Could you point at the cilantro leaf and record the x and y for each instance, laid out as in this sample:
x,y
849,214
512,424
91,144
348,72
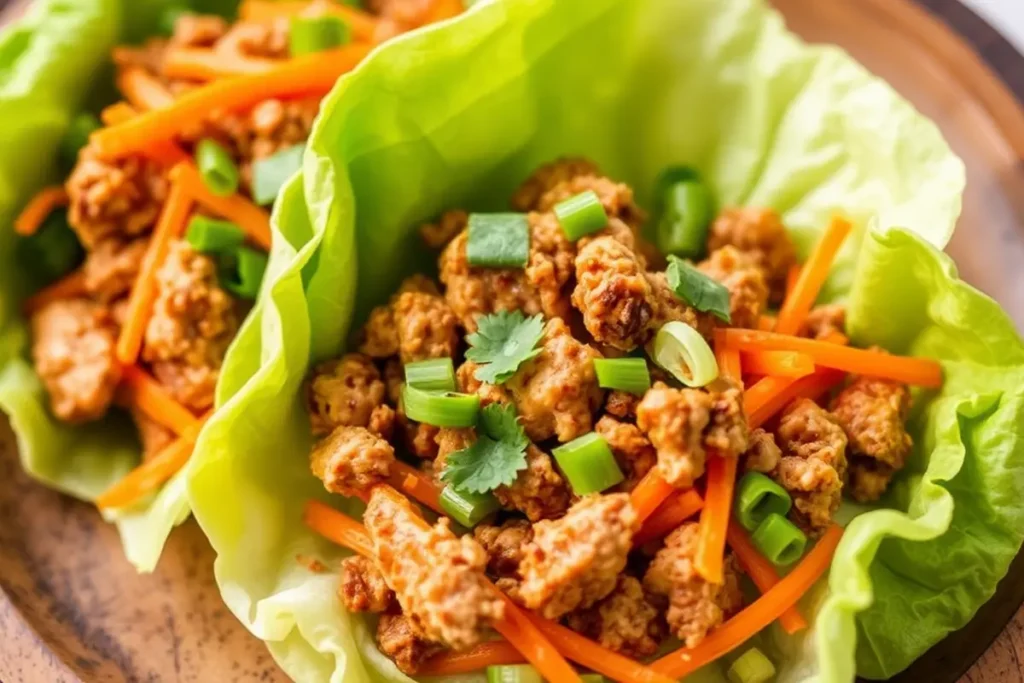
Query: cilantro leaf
x,y
503,341
495,458
697,289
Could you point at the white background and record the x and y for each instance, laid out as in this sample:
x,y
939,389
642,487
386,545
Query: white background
x,y
1005,15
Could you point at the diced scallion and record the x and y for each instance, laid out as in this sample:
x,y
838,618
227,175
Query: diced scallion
x,y
513,673
680,350
316,34
77,136
779,540
53,250
587,462
436,374
751,667
466,508
581,215
697,289
242,271
683,209
212,236
624,374
440,408
269,175
757,497
498,240
218,170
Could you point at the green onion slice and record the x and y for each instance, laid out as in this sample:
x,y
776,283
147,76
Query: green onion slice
x,y
440,408
581,215
316,34
624,374
587,462
684,218
212,236
697,289
269,175
513,673
217,168
53,251
468,509
779,540
245,272
757,497
498,240
76,137
751,667
680,350
436,374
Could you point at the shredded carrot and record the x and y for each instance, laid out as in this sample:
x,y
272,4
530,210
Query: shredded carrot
x,y
792,276
679,507
118,112
452,663
835,337
443,9
253,220
309,74
337,527
778,363
917,371
528,636
729,364
200,64
755,617
68,287
167,153
812,276
766,323
762,573
417,485
649,494
771,394
714,518
141,390
140,302
142,90
265,10
39,208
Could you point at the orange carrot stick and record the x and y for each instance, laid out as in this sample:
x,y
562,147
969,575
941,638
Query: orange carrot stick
x,y
812,276
139,389
140,302
118,112
201,64
265,10
778,363
714,518
142,90
528,636
755,617
39,208
308,74
417,485
649,494
917,371
792,277
166,152
729,364
253,220
766,323
451,663
763,574
69,287
836,337
679,507
444,9
337,527
771,394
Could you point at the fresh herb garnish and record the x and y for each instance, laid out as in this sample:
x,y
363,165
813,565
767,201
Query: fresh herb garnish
x,y
697,289
495,458
498,240
503,341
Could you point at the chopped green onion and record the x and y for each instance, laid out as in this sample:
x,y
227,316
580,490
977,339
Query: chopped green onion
x,y
212,236
684,207
437,374
466,508
498,240
169,17
624,374
757,497
217,168
587,462
76,137
513,673
53,250
680,350
581,215
269,175
779,540
440,408
245,273
316,34
697,289
751,667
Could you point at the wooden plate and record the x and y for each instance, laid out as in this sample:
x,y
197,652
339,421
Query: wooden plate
x,y
71,609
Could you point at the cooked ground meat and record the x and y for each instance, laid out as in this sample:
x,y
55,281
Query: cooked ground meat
x,y
873,412
198,30
257,38
114,199
825,320
727,433
111,268
632,450
616,198
551,266
394,378
153,436
667,307
417,324
379,337
193,322
451,223
556,392
813,462
760,233
625,621
527,197
73,344
399,640
575,561
350,460
621,404
504,545
674,420
438,578
382,421
420,439
465,378
362,587
539,491
763,454
744,278
449,440
344,392
695,606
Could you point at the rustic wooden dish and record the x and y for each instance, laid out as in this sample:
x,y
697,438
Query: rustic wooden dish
x,y
71,608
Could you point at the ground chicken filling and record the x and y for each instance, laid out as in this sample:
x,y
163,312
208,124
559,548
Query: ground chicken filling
x,y
564,554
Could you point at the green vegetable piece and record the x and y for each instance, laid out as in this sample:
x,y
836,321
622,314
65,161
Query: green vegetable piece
x,y
76,137
468,509
587,462
513,673
498,240
316,34
269,175
751,667
624,374
212,236
436,374
53,250
697,289
680,350
593,678
684,209
440,408
170,15
757,497
779,540
581,215
495,458
503,341
217,168
244,274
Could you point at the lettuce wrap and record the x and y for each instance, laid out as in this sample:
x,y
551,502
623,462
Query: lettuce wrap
x,y
458,115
